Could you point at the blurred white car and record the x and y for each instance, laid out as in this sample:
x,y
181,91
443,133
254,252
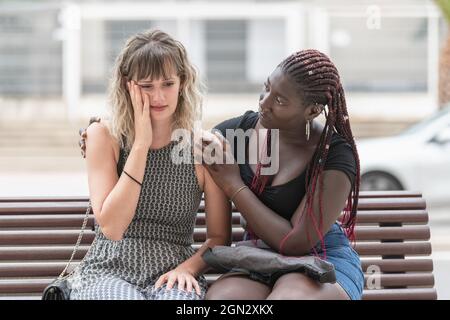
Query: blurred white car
x,y
417,159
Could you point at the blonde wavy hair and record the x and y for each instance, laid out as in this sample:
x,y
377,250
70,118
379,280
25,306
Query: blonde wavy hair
x,y
152,54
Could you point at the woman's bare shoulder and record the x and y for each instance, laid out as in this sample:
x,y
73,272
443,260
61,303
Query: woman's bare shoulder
x,y
100,132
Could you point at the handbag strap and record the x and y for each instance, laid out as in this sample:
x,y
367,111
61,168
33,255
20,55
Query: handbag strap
x,y
80,236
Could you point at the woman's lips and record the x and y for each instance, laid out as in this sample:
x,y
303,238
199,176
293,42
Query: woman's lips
x,y
262,114
158,108
264,118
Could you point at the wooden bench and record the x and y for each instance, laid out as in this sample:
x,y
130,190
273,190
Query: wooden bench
x,y
37,236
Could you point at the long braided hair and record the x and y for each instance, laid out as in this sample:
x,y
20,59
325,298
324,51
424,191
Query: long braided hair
x,y
318,82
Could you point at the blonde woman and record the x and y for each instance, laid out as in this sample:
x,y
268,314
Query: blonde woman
x,y
145,204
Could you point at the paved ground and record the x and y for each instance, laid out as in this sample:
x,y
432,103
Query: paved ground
x,y
75,183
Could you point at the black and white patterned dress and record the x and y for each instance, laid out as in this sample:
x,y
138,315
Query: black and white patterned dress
x,y
158,239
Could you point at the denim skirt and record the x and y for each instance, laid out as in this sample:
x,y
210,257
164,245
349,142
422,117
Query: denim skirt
x,y
345,259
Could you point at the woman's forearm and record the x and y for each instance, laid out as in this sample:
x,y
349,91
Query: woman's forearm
x,y
264,222
195,264
119,207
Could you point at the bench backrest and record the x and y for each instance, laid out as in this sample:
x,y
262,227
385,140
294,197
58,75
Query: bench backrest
x,y
37,236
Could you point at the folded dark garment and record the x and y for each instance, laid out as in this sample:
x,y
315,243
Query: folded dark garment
x,y
266,262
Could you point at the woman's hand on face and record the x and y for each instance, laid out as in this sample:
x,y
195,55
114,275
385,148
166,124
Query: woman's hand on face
x,y
142,122
221,165
184,278
83,134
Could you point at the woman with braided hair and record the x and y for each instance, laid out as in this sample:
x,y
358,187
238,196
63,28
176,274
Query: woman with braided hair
x,y
295,211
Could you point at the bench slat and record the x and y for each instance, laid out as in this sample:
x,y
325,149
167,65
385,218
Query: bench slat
x,y
29,296
407,280
390,194
70,236
53,269
34,269
70,219
362,194
19,269
410,203
392,233
42,207
405,203
401,294
24,285
64,252
49,199
45,220
383,216
384,294
45,237
386,280
361,233
362,217
398,265
41,252
391,204
20,285
401,248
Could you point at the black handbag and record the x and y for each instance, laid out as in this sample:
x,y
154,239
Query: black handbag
x,y
59,289
260,262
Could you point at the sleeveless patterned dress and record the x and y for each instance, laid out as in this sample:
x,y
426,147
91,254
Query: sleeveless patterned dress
x,y
158,239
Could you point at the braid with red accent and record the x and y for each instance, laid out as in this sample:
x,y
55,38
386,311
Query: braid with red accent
x,y
318,82
259,182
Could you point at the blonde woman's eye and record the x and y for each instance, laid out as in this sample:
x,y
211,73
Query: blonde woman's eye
x,y
169,84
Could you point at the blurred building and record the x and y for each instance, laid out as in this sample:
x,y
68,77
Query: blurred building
x,y
53,48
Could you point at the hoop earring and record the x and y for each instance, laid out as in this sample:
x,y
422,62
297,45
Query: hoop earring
x,y
308,129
